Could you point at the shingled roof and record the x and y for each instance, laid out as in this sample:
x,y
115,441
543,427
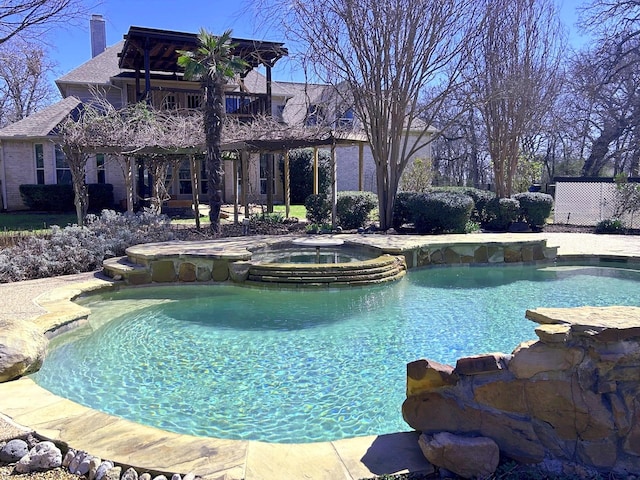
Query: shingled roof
x,y
42,123
98,70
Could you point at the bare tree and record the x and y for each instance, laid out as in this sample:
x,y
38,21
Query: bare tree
x,y
24,87
513,77
381,55
29,18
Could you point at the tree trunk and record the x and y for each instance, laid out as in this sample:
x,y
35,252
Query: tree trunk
x,y
597,158
213,116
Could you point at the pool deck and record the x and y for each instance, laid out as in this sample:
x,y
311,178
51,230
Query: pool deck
x,y
45,301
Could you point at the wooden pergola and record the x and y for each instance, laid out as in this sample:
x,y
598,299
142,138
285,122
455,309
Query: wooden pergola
x,y
326,138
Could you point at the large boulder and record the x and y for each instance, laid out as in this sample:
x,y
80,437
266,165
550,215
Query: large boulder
x,y
468,457
22,348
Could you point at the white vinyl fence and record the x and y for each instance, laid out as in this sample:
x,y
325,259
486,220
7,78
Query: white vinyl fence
x,y
581,201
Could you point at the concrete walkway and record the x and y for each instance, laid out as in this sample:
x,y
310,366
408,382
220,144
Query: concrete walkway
x,y
46,302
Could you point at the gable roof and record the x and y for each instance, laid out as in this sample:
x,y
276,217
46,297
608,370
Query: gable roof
x,y
98,70
42,123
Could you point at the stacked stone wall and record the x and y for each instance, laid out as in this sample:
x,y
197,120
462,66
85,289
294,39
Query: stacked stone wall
x,y
573,395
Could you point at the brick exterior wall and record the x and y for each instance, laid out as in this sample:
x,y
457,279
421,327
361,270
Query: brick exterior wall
x,y
19,167
18,162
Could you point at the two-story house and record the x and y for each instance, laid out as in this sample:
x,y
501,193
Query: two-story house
x,y
143,67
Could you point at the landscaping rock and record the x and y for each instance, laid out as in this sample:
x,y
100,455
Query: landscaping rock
x,y
94,464
475,457
145,476
102,470
68,457
13,451
113,473
22,348
130,474
44,456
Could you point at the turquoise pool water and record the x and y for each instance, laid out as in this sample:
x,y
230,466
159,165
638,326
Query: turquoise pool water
x,y
301,366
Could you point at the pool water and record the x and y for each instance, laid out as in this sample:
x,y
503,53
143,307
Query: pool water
x,y
301,366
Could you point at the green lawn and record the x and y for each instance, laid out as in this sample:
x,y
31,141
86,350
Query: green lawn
x,y
14,221
298,211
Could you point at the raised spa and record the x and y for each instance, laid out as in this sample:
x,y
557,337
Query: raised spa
x,y
301,365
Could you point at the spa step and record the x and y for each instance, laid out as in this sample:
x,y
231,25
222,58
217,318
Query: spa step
x,y
381,269
120,268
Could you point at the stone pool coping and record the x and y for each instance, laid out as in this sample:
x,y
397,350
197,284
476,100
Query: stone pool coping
x,y
47,303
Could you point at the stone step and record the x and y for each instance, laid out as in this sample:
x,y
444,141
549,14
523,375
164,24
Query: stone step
x,y
121,266
308,273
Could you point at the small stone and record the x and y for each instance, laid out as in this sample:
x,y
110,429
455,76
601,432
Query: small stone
x,y
145,476
68,457
75,462
13,451
189,476
176,476
159,477
94,463
84,465
113,473
130,474
102,470
44,456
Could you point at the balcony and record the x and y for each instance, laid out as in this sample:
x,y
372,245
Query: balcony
x,y
246,106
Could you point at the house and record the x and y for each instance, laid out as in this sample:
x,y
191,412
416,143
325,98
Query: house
x,y
143,66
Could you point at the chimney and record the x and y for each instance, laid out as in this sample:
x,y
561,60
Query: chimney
x,y
98,35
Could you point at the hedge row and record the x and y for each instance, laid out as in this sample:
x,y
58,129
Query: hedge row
x,y
59,198
450,209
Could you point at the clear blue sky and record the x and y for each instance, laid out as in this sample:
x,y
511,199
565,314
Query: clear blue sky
x,y
71,47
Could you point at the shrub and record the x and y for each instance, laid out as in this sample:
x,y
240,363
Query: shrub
x,y
48,198
318,208
402,209
119,231
76,249
480,200
59,198
500,213
269,218
301,173
611,225
100,196
535,208
353,208
441,212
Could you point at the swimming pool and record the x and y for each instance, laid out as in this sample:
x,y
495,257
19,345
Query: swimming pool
x,y
301,366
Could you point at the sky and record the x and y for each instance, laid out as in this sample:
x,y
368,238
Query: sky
x,y
70,47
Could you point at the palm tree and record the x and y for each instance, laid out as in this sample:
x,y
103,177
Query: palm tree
x,y
213,63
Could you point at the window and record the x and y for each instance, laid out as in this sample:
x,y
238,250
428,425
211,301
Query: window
x,y
265,159
194,100
315,115
238,104
101,171
169,102
63,173
346,121
280,113
184,178
39,150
